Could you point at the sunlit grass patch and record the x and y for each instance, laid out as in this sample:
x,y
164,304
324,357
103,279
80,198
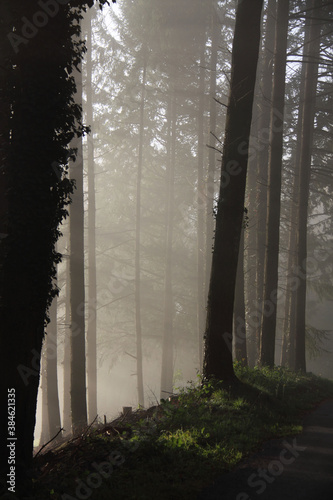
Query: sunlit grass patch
x,y
180,446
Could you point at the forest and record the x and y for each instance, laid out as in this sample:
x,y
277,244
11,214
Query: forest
x,y
166,228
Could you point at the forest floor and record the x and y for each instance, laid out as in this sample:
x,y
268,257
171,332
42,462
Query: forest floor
x,y
209,439
299,467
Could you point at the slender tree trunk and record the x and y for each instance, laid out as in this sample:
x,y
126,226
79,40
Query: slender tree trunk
x,y
52,372
45,434
201,207
250,257
210,188
77,290
311,76
263,151
139,355
92,289
167,347
218,338
240,340
67,425
267,345
288,339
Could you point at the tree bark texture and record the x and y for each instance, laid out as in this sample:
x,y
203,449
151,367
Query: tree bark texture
x,y
77,288
311,76
168,342
269,305
218,336
92,280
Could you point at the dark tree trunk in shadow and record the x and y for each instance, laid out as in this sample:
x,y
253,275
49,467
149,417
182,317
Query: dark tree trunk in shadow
x,y
52,372
240,340
218,337
77,288
265,107
269,305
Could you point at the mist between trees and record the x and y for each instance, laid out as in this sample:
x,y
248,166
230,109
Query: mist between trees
x,y
151,183
194,147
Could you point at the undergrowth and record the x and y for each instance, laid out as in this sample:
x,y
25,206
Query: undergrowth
x,y
178,447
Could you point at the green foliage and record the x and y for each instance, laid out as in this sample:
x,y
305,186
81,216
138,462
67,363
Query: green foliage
x,y
42,118
205,430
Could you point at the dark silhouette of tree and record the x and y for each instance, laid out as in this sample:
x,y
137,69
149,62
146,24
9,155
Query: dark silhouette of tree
x,y
264,112
269,306
240,339
218,337
38,120
53,408
77,288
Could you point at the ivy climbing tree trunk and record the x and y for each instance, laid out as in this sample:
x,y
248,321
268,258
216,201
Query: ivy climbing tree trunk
x,y
38,120
218,338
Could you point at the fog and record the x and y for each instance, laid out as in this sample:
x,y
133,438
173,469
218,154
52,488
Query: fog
x,y
154,92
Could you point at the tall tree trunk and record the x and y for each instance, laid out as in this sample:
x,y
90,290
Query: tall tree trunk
x,y
250,257
52,371
240,340
138,326
45,434
38,116
311,76
92,286
167,347
201,207
27,230
77,290
267,345
218,338
210,183
67,425
288,331
263,151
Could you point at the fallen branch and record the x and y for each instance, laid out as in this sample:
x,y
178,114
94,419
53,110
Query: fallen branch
x,y
44,445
